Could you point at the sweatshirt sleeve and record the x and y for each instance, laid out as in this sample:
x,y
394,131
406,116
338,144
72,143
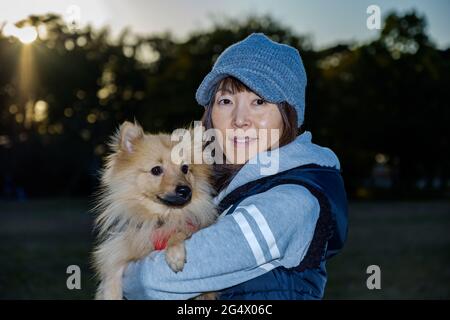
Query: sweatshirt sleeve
x,y
267,230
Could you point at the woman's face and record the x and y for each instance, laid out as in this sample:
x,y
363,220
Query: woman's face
x,y
241,119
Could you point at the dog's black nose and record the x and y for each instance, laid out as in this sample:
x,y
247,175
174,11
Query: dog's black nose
x,y
183,192
179,198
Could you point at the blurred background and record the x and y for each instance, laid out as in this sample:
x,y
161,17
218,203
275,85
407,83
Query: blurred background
x,y
72,71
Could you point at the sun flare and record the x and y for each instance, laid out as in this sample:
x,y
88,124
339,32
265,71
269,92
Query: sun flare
x,y
26,34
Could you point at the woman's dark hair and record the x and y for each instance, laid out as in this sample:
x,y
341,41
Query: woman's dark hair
x,y
224,173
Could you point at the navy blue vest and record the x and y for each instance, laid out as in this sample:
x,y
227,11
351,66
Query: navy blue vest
x,y
308,279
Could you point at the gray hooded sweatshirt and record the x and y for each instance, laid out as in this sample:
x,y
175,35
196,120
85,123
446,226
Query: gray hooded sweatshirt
x,y
266,230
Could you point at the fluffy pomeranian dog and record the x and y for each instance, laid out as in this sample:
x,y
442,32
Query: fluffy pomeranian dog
x,y
146,203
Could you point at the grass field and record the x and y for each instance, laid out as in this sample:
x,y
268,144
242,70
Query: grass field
x,y
410,241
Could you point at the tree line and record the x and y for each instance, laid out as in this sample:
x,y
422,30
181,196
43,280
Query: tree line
x,y
382,106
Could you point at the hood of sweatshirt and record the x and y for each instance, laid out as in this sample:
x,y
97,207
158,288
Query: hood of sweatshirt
x,y
301,151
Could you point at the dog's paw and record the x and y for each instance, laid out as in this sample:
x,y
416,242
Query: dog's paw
x,y
176,256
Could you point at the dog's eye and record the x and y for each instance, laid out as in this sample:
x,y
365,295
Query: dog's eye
x,y
156,171
184,168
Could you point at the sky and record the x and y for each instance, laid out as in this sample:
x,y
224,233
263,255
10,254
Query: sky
x,y
326,22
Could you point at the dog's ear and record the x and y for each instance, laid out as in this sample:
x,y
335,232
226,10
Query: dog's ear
x,y
129,134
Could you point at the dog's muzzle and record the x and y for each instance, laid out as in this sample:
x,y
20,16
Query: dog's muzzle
x,y
180,197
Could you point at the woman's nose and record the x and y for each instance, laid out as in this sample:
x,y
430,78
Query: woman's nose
x,y
241,117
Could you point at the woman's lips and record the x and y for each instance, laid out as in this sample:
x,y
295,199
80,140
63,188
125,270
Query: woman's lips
x,y
242,141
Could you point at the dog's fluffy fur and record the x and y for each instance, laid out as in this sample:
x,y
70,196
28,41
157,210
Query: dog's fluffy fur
x,y
134,205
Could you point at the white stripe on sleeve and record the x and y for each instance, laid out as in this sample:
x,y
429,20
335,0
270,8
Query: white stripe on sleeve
x,y
267,266
265,229
250,237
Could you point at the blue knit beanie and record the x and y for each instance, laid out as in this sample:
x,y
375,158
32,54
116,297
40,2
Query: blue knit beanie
x,y
272,70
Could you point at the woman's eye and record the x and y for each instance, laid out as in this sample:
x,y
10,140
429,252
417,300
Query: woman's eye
x,y
224,101
185,168
260,102
156,171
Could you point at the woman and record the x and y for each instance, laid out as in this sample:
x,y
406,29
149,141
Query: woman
x,y
276,229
